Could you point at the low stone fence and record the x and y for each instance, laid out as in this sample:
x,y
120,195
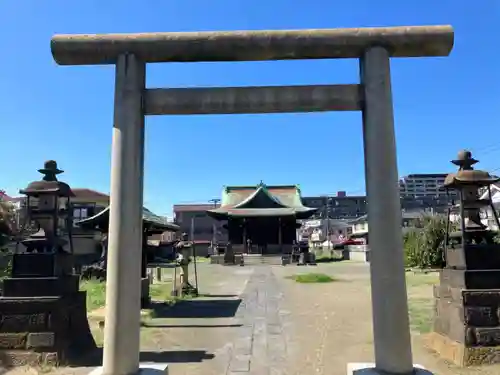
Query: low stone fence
x,y
324,252
359,253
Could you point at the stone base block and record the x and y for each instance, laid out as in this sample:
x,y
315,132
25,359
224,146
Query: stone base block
x,y
219,259
474,257
144,369
46,326
216,259
16,358
355,368
468,297
459,354
40,286
470,279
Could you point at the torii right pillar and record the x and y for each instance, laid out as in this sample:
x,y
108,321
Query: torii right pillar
x,y
392,340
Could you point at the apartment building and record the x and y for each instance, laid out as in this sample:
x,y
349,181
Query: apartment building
x,y
341,206
422,185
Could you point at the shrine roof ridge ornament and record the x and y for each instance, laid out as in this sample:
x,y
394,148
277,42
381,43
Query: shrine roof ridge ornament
x,y
255,45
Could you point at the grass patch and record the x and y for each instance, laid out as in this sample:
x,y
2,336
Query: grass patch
x,y
96,293
420,301
421,314
311,278
421,279
160,292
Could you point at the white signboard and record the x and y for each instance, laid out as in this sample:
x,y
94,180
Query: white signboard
x,y
316,235
311,223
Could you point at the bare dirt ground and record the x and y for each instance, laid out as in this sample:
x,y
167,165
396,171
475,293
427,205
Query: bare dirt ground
x,y
255,320
332,321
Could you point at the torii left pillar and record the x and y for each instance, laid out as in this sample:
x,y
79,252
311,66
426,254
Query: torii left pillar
x,y
123,289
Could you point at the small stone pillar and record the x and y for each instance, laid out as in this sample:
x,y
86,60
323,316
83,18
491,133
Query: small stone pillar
x,y
229,254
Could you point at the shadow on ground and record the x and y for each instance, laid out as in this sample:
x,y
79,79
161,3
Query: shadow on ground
x,y
173,356
218,308
149,325
328,260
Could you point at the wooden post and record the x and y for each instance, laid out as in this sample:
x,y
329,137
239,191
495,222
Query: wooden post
x,y
280,235
391,328
245,235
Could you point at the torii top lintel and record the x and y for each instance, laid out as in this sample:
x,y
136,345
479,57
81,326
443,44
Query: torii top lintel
x,y
403,41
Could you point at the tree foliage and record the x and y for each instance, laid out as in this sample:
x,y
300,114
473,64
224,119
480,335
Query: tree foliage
x,y
424,246
6,221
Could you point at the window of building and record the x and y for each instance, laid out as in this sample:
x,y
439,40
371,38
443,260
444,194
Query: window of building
x,y
83,211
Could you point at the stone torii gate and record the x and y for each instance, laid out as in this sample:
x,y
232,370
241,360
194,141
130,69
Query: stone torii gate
x,y
372,46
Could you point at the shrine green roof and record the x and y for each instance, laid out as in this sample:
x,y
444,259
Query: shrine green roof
x,y
101,219
261,200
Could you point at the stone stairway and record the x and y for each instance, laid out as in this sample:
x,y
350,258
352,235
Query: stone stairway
x,y
260,260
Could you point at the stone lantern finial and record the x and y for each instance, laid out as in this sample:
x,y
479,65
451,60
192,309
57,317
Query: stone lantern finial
x,y
50,170
464,160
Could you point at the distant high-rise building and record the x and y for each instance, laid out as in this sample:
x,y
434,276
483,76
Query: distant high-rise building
x,y
422,185
341,206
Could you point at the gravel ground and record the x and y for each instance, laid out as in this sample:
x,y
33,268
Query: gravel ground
x,y
333,326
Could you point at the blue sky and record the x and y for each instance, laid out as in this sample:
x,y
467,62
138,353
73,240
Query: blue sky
x,y
65,113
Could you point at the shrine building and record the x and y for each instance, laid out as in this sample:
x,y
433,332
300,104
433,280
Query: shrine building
x,y
261,219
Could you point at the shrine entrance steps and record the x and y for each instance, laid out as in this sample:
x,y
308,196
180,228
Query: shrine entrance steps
x,y
260,260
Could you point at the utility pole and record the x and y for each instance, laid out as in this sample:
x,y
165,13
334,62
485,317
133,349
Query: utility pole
x,y
192,228
326,215
328,222
215,202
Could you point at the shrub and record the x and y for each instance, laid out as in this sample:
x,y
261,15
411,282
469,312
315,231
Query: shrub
x,y
424,247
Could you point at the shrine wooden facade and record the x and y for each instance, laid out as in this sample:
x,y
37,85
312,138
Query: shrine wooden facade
x,y
261,219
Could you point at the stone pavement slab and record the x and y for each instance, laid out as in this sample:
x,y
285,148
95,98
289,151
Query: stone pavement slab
x,y
261,346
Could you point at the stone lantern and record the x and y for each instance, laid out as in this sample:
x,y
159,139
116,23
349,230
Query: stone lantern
x,y
467,299
44,315
186,250
48,207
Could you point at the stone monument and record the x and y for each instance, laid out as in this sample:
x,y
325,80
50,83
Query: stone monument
x,y
467,299
43,313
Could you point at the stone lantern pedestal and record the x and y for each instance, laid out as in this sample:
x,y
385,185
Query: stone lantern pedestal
x,y
467,299
43,314
467,307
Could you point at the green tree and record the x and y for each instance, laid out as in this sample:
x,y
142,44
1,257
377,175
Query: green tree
x,y
424,246
6,221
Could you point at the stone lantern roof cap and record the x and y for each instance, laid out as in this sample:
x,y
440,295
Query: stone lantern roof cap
x,y
466,174
49,185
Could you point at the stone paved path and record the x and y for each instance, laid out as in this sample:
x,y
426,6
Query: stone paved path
x,y
262,346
